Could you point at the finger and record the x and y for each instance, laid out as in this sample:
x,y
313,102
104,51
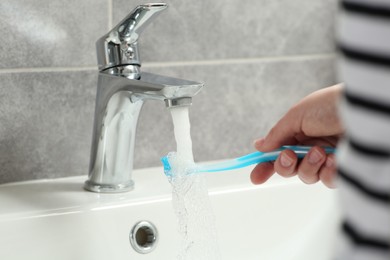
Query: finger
x,y
282,133
260,143
308,169
262,172
315,141
286,164
328,172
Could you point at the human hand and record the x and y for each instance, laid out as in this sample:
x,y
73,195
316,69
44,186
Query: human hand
x,y
312,121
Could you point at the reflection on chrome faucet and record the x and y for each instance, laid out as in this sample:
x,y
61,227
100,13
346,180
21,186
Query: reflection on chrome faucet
x,y
121,91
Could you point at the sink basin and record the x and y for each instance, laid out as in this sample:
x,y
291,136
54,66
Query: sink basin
x,y
56,219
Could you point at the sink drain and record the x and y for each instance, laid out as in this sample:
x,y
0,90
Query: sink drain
x,y
143,237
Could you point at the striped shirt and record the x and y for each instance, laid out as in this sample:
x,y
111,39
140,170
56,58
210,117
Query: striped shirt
x,y
364,155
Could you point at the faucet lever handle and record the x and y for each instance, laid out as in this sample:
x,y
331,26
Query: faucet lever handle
x,y
130,28
119,46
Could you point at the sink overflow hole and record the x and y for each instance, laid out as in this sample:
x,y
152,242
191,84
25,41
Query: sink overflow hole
x,y
143,237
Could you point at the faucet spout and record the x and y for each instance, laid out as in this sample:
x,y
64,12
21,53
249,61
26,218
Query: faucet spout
x,y
118,104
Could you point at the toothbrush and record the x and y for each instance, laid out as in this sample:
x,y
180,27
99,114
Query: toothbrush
x,y
246,160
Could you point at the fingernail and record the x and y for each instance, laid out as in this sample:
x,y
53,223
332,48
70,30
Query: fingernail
x,y
329,162
315,156
259,142
286,161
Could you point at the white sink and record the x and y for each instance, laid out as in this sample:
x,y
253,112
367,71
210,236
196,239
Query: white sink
x,y
56,219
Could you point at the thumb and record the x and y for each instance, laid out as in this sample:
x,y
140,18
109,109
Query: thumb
x,y
283,133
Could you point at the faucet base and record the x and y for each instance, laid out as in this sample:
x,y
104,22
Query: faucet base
x,y
109,188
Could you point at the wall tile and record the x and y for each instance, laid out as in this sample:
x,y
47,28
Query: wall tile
x,y
220,29
46,33
45,124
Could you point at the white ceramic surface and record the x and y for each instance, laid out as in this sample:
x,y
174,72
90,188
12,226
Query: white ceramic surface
x,y
56,219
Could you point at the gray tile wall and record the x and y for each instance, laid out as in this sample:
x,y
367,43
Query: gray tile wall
x,y
256,57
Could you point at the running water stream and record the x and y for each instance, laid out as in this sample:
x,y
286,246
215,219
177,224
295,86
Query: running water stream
x,y
190,198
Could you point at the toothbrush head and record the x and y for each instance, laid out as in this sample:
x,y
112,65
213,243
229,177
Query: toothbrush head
x,y
167,166
176,168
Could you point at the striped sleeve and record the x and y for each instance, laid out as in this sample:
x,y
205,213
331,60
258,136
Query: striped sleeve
x,y
364,155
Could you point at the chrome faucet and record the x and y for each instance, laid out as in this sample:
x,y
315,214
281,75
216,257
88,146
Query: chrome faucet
x,y
121,91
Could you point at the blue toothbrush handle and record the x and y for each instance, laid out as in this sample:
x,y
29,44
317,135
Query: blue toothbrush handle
x,y
260,157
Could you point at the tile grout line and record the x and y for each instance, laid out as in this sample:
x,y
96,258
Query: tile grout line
x,y
182,63
47,69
